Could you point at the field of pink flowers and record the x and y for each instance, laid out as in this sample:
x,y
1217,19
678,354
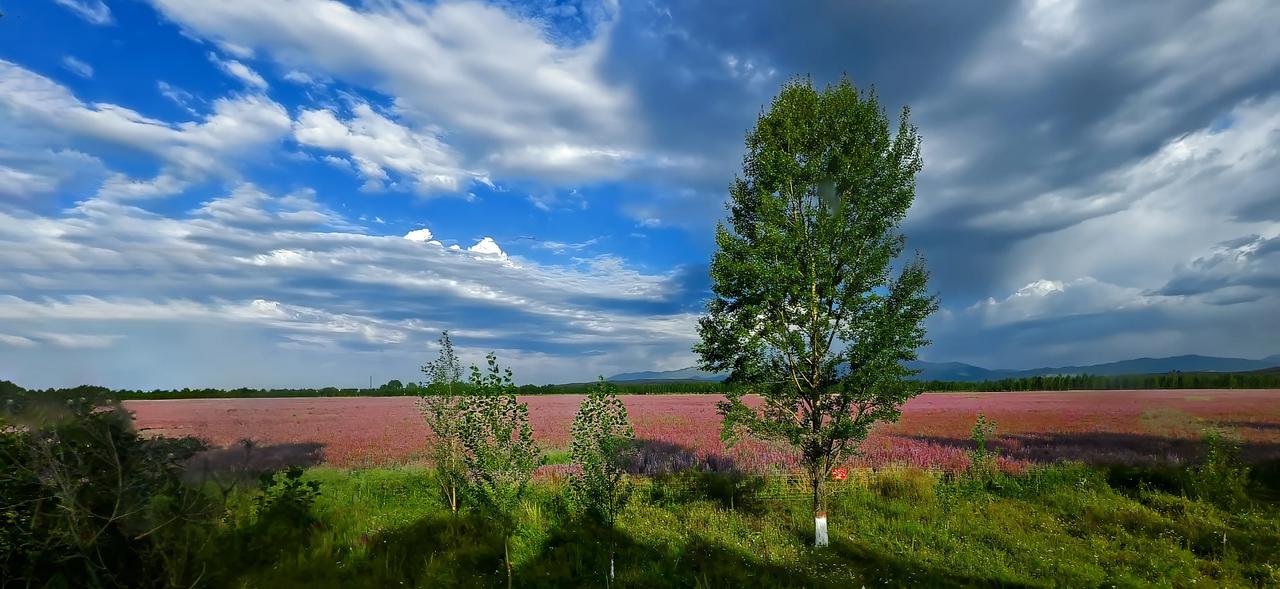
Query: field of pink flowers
x,y
1133,427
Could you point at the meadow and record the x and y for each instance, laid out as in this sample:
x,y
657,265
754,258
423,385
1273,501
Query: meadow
x,y
1148,427
1092,489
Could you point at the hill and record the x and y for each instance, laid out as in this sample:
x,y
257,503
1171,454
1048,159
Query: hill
x,y
961,372
690,373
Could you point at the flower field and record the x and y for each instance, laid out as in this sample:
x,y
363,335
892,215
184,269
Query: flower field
x,y
1132,427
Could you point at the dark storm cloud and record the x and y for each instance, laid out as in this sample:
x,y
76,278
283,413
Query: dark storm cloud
x,y
1014,100
1251,262
703,71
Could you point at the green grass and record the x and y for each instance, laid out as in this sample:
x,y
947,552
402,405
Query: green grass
x,y
1065,526
557,456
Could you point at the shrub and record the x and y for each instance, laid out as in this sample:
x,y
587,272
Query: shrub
x,y
982,462
88,501
1221,478
281,517
602,442
501,455
441,407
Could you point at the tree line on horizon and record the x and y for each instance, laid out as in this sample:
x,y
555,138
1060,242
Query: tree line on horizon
x,y
1073,382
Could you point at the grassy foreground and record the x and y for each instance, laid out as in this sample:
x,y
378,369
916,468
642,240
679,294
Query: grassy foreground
x,y
1067,526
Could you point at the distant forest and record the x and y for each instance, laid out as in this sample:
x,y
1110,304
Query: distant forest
x,y
1260,379
1263,379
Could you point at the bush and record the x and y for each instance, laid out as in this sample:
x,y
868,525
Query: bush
x,y
441,407
89,502
1222,478
982,462
500,453
603,441
280,519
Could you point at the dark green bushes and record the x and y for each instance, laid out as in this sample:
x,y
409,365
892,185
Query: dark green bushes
x,y
85,501
1222,478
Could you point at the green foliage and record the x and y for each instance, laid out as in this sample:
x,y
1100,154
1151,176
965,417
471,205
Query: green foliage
x,y
1062,526
1222,478
913,485
982,462
86,501
500,454
1065,525
9,390
279,522
603,440
806,312
393,387
441,407
285,496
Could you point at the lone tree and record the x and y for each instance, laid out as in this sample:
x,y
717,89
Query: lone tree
x,y
603,440
441,407
807,311
501,455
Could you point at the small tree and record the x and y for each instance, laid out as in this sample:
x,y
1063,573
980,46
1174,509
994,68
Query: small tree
x,y
441,407
602,440
500,455
806,311
982,462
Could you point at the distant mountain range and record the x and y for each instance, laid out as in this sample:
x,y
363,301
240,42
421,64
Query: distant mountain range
x,y
690,373
959,371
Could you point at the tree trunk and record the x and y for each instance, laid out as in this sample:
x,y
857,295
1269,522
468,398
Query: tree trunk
x,y
819,511
820,529
506,556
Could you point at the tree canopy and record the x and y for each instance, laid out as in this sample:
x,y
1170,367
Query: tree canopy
x,y
808,311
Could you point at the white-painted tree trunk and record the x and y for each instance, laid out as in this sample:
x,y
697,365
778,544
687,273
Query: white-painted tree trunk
x,y
820,529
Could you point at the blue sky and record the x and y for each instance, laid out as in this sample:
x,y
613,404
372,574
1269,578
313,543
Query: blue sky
x,y
234,193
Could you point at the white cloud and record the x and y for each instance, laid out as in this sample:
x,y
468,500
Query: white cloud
x,y
1229,42
235,130
561,247
422,235
246,205
119,186
1239,269
378,144
496,82
569,160
94,11
1052,26
29,173
239,71
1045,298
77,340
178,96
300,77
17,341
242,269
488,247
77,67
1192,193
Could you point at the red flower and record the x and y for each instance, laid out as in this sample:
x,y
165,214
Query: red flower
x,y
839,474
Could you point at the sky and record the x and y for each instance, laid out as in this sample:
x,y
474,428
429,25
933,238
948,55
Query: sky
x,y
307,192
